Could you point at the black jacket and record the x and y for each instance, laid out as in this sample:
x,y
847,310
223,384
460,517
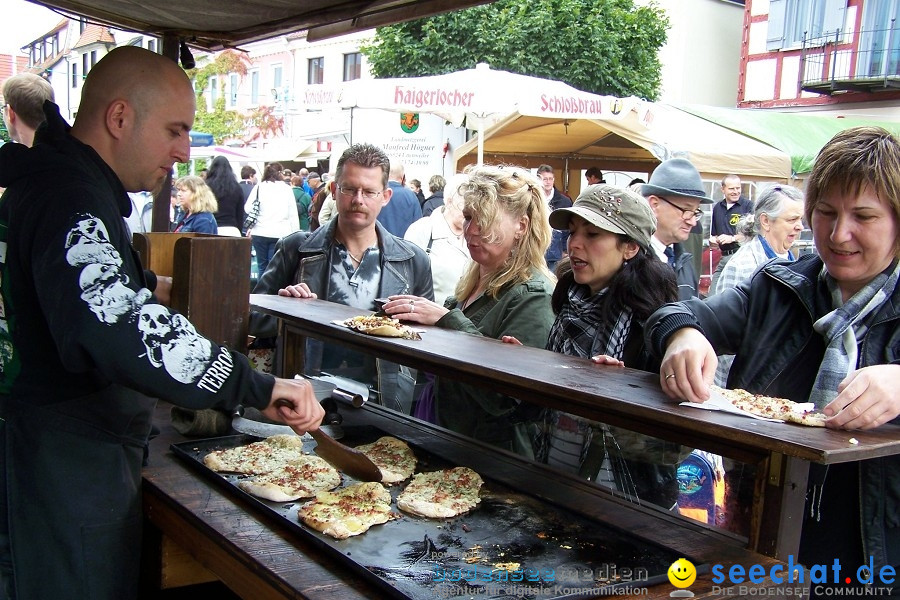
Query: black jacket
x,y
433,202
304,257
767,321
685,274
82,332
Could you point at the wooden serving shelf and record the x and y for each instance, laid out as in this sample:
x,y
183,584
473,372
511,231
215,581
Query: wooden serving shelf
x,y
624,397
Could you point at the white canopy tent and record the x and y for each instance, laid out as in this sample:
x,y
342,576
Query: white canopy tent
x,y
637,140
472,96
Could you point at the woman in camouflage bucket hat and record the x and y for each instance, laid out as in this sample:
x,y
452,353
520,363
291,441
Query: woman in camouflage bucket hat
x,y
608,285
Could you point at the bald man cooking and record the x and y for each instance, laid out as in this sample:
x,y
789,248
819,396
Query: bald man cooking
x,y
83,339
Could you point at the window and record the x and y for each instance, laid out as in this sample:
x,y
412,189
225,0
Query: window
x,y
232,90
93,57
213,91
151,45
85,65
316,70
277,90
277,77
879,42
352,66
792,21
254,88
74,75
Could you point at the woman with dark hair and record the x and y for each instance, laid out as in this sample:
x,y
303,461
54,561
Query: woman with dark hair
x,y
224,185
608,286
272,202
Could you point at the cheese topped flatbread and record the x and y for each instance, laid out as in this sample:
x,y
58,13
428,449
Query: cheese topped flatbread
x,y
393,457
303,477
441,494
348,511
381,326
772,407
257,458
811,418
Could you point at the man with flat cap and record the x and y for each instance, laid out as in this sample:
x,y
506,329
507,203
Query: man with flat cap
x,y
675,193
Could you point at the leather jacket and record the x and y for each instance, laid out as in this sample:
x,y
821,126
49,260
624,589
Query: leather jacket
x,y
767,321
304,257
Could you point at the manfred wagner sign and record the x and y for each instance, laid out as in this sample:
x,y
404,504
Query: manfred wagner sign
x,y
415,139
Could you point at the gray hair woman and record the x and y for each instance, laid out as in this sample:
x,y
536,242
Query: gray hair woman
x,y
776,221
772,228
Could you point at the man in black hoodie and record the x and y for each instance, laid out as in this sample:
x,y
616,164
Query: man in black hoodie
x,y
82,338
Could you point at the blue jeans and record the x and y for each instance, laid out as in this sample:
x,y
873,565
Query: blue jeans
x,y
265,250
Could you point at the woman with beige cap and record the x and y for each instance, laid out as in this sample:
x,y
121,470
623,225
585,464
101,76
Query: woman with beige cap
x,y
608,286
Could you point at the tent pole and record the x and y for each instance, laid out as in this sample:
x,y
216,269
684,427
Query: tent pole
x,y
162,200
480,141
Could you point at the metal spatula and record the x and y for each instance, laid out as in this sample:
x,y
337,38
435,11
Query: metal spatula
x,y
349,460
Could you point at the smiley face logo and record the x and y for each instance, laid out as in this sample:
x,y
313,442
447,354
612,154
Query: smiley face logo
x,y
682,573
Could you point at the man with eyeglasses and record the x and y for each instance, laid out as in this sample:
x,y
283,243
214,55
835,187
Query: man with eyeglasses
x,y
675,193
351,259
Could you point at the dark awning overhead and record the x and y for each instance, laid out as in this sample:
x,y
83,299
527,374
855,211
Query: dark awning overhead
x,y
219,24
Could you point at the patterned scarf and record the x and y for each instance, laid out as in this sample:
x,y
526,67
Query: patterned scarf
x,y
845,327
579,329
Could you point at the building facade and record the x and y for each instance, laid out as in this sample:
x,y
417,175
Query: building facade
x,y
827,56
66,54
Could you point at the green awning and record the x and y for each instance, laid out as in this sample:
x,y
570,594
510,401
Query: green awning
x,y
800,136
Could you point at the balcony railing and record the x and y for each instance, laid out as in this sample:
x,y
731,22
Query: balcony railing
x,y
870,62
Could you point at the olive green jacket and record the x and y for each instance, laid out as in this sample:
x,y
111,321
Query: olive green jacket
x,y
522,310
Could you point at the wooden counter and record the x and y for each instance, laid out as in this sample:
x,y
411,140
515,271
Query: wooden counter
x,y
623,397
260,558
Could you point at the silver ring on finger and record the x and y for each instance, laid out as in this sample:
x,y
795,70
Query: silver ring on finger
x,y
670,376
412,307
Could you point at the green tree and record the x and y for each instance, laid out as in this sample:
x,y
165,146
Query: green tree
x,y
603,46
4,133
219,122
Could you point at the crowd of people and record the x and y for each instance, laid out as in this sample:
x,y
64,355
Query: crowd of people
x,y
494,251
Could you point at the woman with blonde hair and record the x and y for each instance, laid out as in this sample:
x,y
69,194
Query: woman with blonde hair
x,y
199,204
505,290
441,235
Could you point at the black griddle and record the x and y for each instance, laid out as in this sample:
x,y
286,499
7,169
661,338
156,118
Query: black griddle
x,y
511,546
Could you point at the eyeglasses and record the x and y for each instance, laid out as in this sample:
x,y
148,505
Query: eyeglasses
x,y
685,213
351,192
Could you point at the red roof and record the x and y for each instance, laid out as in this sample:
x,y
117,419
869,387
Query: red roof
x,y
6,65
94,34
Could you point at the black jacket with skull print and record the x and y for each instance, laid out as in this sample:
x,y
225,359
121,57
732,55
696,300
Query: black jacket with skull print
x,y
78,316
